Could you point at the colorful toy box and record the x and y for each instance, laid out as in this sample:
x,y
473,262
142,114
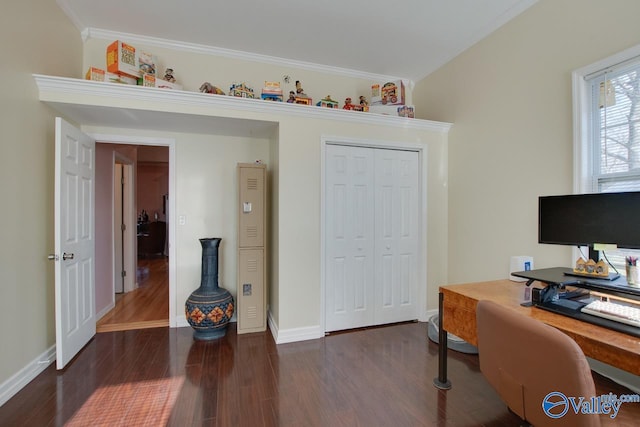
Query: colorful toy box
x,y
272,91
406,111
121,59
149,80
99,75
241,90
327,102
146,63
389,93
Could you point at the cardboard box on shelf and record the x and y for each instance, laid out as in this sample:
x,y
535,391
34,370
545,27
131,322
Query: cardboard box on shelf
x,y
146,63
95,74
150,80
406,111
389,93
120,78
121,59
99,75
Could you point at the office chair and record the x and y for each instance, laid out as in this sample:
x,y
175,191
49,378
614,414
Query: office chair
x,y
524,360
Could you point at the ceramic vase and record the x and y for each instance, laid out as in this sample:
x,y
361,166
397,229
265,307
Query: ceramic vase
x,y
209,308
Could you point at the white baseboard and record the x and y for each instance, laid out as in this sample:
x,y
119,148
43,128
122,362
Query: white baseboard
x,y
428,314
21,378
294,334
105,310
181,322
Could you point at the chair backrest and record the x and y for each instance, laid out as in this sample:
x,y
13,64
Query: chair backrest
x,y
525,360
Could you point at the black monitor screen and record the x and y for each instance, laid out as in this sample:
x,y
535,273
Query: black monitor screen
x,y
585,219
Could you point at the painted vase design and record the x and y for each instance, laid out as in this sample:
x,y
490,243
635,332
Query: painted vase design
x,y
209,308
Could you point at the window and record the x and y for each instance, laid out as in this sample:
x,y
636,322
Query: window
x,y
607,130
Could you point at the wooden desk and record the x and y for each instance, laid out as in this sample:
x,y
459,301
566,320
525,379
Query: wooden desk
x,y
457,307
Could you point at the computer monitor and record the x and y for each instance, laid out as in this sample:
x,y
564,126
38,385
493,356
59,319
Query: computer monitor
x,y
588,219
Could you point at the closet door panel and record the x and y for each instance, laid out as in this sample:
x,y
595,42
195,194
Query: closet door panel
x,y
349,238
397,235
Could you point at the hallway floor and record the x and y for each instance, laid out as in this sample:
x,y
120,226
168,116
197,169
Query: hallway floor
x,y
145,307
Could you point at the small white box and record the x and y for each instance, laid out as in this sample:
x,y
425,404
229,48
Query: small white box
x,y
520,263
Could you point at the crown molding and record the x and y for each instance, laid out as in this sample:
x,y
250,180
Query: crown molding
x,y
97,33
50,85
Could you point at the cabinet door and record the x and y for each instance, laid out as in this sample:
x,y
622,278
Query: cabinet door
x,y
251,291
252,207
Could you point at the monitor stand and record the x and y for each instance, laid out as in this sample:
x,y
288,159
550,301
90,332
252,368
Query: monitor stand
x,y
611,276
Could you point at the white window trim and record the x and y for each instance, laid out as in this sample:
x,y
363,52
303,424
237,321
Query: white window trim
x,y
582,152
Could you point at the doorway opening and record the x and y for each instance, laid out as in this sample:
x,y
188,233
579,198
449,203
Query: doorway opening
x,y
137,291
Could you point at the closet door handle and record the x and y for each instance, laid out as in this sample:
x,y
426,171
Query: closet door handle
x,y
66,256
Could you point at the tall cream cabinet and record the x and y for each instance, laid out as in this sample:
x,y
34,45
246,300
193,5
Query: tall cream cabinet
x,y
252,219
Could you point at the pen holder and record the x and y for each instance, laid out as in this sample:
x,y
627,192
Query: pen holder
x,y
633,276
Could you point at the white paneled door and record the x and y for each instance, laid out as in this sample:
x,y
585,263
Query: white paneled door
x,y
372,236
74,241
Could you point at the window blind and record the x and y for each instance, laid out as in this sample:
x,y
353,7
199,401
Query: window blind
x,y
615,134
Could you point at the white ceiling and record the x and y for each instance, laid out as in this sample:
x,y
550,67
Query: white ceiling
x,y
404,38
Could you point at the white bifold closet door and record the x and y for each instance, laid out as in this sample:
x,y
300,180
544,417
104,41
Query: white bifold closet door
x,y
372,236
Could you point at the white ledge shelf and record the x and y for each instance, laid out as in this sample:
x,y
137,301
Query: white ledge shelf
x,y
85,101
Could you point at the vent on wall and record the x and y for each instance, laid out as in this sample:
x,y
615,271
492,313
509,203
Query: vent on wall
x,y
252,183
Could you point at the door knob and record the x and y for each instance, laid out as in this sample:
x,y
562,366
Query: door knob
x,y
66,256
53,257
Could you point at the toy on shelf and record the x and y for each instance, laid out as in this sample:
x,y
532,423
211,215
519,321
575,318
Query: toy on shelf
x,y
272,91
327,102
347,104
301,97
207,87
147,63
99,75
292,97
389,93
149,80
591,268
168,75
241,90
299,90
406,111
364,105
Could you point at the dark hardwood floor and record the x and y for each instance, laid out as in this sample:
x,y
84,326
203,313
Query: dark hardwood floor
x,y
373,377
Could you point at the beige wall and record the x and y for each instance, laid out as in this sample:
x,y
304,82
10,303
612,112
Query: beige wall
x,y
36,37
295,174
206,194
193,69
509,97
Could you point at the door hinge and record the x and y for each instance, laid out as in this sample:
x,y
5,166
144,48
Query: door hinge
x,y
122,180
123,273
123,227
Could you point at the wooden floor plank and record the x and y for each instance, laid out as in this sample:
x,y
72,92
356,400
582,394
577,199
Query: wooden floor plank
x,y
146,306
161,376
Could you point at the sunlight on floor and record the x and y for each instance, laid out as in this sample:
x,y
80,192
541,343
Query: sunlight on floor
x,y
139,403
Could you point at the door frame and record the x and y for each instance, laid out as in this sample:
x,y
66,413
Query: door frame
x,y
421,149
171,213
130,218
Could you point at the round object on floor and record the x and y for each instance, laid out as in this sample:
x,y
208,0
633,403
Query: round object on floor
x,y
453,342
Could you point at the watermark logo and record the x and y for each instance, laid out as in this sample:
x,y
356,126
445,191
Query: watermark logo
x,y
557,404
